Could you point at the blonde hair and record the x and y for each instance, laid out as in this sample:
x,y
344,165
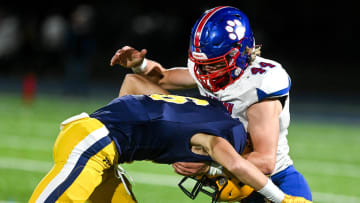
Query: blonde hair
x,y
255,52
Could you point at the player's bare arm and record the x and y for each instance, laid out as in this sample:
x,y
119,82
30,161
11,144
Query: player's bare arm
x,y
136,85
222,152
169,79
155,79
263,128
176,79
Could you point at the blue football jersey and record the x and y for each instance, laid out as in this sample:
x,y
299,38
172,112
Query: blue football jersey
x,y
159,127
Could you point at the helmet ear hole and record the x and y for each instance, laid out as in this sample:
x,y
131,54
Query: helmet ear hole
x,y
239,45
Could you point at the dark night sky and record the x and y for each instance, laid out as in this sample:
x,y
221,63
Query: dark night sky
x,y
315,41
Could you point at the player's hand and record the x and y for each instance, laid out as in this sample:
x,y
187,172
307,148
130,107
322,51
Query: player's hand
x,y
190,169
294,199
128,57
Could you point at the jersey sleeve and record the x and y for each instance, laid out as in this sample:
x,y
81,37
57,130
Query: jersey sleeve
x,y
275,84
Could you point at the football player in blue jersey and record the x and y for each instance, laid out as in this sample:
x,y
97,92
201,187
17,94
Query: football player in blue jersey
x,y
224,63
161,128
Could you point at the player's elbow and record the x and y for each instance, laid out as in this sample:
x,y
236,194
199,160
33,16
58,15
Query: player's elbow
x,y
164,83
132,78
268,165
268,169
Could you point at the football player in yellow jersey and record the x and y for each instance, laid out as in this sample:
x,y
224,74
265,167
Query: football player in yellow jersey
x,y
138,127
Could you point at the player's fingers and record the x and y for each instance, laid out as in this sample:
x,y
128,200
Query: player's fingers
x,y
143,52
191,165
112,61
119,56
122,58
128,57
181,171
126,48
190,168
114,58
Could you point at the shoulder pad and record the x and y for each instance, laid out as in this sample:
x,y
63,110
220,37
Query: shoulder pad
x,y
275,83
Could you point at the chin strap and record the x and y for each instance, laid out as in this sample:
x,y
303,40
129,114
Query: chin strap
x,y
120,173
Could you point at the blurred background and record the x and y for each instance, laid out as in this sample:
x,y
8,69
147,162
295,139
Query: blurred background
x,y
72,41
54,62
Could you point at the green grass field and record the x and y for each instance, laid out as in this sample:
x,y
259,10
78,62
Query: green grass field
x,y
328,154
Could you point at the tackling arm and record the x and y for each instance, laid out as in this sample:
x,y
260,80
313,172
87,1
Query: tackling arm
x,y
223,153
170,79
263,128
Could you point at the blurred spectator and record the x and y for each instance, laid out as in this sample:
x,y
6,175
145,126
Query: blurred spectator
x,y
80,49
10,38
53,31
9,33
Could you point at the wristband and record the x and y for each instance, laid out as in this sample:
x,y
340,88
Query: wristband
x,y
272,192
140,68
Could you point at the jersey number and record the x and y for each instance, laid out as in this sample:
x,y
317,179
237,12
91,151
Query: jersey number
x,y
261,70
257,70
179,99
